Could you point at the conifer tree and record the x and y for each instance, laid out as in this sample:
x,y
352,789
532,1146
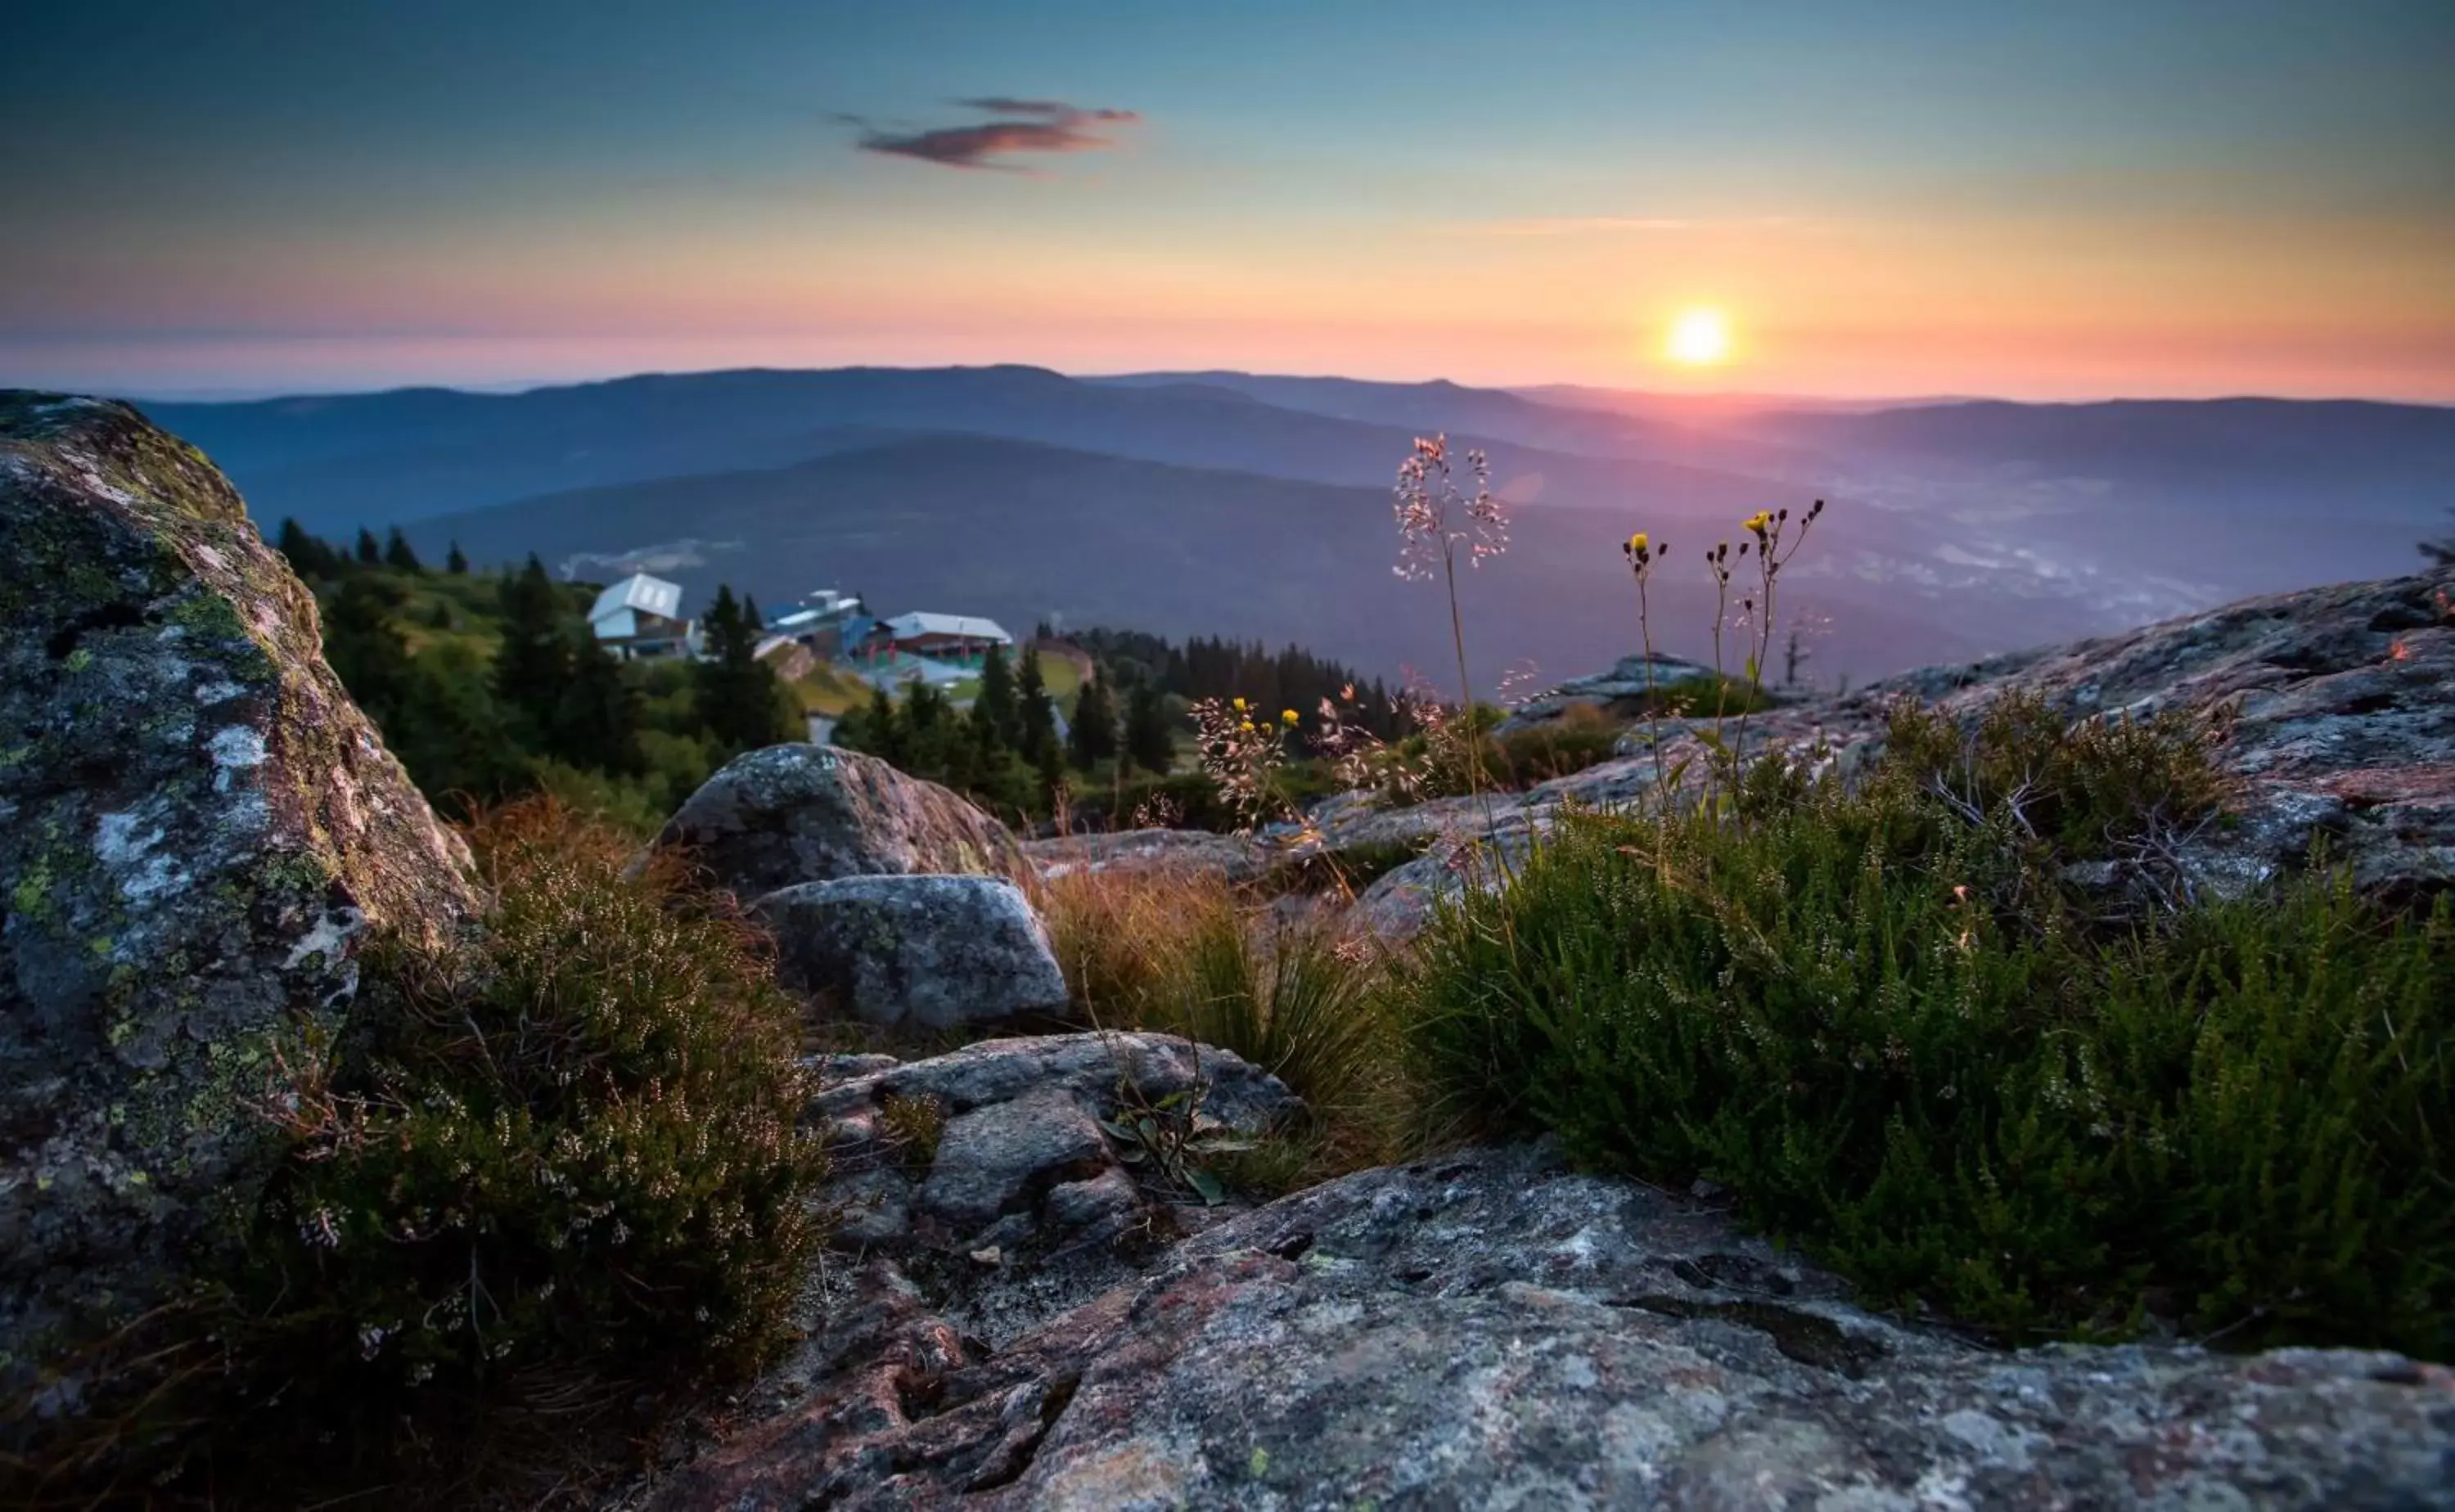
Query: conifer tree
x,y
1092,738
1038,717
597,720
308,556
996,709
365,651
1148,743
370,551
455,563
740,699
532,666
398,553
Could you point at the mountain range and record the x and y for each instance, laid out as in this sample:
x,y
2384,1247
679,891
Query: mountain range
x,y
1258,506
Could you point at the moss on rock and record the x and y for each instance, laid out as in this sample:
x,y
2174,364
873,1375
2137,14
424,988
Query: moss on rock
x,y
196,828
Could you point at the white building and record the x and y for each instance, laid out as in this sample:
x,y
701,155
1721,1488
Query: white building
x,y
641,616
960,639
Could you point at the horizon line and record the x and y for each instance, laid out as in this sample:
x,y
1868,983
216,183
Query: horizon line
x,y
253,393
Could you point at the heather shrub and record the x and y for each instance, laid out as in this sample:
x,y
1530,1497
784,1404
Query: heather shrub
x,y
550,1183
572,1138
1882,1017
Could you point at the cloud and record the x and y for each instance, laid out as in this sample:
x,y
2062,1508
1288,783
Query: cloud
x,y
1027,126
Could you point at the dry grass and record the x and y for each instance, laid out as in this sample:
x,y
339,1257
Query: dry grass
x,y
1186,952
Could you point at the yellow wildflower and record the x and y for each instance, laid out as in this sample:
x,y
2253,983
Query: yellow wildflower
x,y
1638,543
1288,716
1757,522
1240,706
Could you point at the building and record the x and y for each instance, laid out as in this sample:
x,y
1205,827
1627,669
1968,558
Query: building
x,y
791,659
641,616
960,640
828,621
889,669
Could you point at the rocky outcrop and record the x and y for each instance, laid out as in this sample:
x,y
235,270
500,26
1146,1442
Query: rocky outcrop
x,y
792,814
1622,691
1491,1330
1145,853
2337,707
196,830
915,952
2332,710
998,1172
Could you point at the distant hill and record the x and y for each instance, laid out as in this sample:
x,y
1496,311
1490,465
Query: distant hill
x,y
1990,524
1021,531
336,463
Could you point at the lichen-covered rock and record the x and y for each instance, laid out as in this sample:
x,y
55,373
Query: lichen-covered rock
x,y
1146,852
793,813
1003,1151
2337,708
915,952
1623,690
197,829
1491,1331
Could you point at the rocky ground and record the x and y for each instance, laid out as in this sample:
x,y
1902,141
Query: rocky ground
x,y
2332,708
1034,1297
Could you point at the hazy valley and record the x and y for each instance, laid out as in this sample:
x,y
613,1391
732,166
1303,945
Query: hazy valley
x,y
1255,506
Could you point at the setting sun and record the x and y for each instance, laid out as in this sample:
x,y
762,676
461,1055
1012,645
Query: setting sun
x,y
1698,338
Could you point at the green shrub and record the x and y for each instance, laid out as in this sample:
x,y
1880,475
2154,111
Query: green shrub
x,y
1580,738
554,1171
1882,1019
573,1139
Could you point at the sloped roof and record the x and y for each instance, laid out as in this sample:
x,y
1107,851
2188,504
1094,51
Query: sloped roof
x,y
650,595
965,626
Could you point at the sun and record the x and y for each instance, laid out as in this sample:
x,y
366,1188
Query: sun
x,y
1700,338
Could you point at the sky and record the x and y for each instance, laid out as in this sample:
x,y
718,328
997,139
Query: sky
x,y
2077,200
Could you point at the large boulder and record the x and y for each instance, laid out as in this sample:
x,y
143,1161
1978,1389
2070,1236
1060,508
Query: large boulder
x,y
915,952
196,830
1490,1330
793,813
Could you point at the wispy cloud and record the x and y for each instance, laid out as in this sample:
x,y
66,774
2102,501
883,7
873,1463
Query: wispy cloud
x,y
1615,225
1023,126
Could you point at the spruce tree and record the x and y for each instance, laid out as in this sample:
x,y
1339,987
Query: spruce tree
x,y
455,563
366,652
1038,716
597,720
307,558
532,666
398,553
740,699
1092,738
1149,742
370,551
997,709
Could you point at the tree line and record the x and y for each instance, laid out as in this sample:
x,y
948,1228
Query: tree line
x,y
1215,667
1006,751
488,685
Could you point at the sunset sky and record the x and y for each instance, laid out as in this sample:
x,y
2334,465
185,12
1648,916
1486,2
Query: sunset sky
x,y
2077,199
